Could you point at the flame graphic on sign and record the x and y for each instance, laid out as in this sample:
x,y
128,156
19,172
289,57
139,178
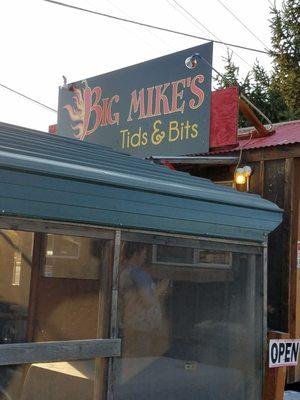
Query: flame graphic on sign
x,y
77,112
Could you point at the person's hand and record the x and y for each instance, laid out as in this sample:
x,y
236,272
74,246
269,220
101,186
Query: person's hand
x,y
163,286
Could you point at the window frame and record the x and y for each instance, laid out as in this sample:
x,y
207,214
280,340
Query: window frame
x,y
32,352
111,347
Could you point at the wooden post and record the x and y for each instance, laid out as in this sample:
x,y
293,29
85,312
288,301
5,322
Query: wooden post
x,y
274,377
294,283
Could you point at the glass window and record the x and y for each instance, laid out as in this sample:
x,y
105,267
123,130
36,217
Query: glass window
x,y
72,257
15,272
53,288
186,316
74,380
163,254
74,273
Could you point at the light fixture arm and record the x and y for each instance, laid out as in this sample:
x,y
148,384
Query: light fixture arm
x,y
191,63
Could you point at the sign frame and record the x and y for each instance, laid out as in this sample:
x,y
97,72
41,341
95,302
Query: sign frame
x,y
158,107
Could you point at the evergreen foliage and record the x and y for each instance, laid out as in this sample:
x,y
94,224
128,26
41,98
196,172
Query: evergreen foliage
x,y
276,94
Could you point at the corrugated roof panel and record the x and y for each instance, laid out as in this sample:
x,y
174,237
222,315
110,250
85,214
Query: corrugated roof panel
x,y
285,133
68,157
56,178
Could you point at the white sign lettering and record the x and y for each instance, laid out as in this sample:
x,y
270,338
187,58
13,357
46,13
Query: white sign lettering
x,y
283,352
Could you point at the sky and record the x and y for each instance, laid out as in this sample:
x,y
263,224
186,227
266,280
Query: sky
x,y
41,42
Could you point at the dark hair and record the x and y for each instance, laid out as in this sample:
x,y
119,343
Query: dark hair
x,y
130,248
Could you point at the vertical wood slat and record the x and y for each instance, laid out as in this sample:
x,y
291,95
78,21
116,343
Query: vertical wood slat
x,y
104,305
286,283
274,377
251,311
294,318
265,303
261,177
274,190
37,261
114,310
297,269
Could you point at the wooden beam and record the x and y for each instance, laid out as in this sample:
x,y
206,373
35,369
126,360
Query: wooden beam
x,y
38,256
274,377
261,177
270,153
104,304
199,160
273,153
294,293
249,114
286,240
27,353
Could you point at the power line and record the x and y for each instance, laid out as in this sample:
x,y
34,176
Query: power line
x,y
149,31
191,16
131,32
151,26
203,26
242,23
176,9
27,97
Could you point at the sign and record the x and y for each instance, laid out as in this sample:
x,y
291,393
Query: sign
x,y
283,352
159,107
224,118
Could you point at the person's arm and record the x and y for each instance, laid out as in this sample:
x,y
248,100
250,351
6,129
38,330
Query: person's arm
x,y
144,285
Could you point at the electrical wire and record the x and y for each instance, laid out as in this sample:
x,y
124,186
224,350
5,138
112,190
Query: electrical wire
x,y
203,26
188,19
270,127
151,26
243,24
164,42
198,22
128,30
241,153
28,98
133,32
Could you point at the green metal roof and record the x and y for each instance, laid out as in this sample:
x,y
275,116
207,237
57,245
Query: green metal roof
x,y
55,178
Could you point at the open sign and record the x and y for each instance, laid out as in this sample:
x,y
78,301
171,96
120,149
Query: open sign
x,y
283,352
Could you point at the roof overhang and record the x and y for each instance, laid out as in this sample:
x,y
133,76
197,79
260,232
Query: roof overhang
x,y
44,177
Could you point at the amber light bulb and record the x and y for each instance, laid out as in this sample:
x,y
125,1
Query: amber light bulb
x,y
240,178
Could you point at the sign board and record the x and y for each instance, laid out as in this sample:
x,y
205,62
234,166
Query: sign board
x,y
283,352
159,107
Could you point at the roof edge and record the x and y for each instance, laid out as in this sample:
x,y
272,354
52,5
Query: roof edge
x,y
65,169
